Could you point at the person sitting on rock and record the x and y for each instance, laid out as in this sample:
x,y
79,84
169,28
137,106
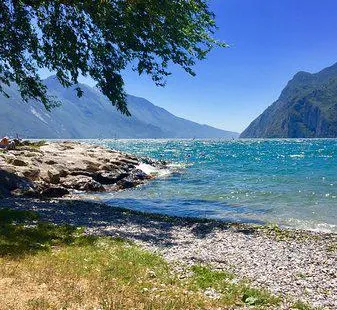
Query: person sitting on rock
x,y
11,145
4,142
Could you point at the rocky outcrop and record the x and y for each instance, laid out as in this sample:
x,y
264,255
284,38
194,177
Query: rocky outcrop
x,y
59,168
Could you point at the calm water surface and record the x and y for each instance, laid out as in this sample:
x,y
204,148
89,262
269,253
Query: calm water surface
x,y
289,182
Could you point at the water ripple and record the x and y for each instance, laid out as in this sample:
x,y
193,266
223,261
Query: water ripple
x,y
292,181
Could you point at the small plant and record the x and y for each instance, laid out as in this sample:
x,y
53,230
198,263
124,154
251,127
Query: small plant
x,y
301,275
38,303
279,233
256,297
299,305
332,247
204,277
232,291
32,144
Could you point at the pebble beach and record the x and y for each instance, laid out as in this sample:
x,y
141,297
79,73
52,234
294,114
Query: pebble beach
x,y
298,265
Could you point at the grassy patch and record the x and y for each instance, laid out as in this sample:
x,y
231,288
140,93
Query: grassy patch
x,y
45,266
204,277
278,233
22,233
332,247
34,144
232,291
282,234
299,305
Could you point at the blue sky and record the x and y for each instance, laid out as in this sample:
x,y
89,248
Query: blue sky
x,y
270,41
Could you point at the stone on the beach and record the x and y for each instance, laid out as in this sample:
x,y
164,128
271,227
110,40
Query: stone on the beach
x,y
83,183
53,192
127,183
50,162
17,162
140,174
31,173
11,146
26,192
110,177
63,173
54,176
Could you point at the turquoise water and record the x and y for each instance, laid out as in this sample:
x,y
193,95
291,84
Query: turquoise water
x,y
288,182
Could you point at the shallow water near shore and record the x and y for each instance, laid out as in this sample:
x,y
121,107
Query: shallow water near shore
x,y
291,182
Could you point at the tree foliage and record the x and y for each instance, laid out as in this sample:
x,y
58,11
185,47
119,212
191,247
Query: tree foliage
x,y
100,38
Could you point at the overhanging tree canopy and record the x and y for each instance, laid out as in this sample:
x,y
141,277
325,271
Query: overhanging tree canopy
x,y
99,38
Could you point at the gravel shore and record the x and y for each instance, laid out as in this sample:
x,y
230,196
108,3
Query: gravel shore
x,y
296,264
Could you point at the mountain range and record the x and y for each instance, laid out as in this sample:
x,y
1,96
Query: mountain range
x,y
93,116
306,108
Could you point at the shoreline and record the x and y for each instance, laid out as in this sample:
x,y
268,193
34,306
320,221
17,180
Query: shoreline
x,y
255,224
295,264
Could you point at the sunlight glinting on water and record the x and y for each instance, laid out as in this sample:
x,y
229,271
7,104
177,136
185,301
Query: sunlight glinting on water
x,y
289,182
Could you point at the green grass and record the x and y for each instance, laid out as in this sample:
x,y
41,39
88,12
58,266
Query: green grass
x,y
22,233
299,305
277,233
332,247
32,144
204,277
45,266
36,144
232,291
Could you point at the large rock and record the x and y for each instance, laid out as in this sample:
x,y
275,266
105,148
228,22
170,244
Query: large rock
x,y
54,191
55,169
11,182
83,183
